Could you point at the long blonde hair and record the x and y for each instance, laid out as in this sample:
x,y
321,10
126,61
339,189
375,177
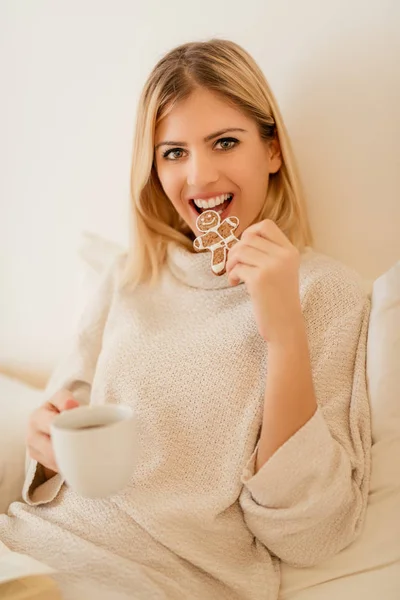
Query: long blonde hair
x,y
222,67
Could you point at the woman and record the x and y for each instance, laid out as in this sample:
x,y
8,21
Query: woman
x,y
249,388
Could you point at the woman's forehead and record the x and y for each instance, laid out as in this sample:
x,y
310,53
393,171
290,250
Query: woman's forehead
x,y
198,116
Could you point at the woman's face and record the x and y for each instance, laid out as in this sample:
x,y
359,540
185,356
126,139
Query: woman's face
x,y
208,154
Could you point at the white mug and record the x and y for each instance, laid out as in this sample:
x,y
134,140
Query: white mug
x,y
96,448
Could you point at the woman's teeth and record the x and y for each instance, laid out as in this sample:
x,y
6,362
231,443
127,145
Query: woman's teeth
x,y
202,205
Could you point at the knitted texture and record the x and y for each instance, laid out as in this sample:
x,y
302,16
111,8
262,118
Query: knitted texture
x,y
195,521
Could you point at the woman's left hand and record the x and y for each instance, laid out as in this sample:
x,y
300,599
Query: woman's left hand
x,y
268,263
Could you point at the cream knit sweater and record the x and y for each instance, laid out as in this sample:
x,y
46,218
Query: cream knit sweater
x,y
195,522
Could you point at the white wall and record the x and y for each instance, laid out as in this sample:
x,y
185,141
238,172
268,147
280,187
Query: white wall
x,y
71,72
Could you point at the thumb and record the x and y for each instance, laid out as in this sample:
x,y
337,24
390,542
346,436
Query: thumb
x,y
70,403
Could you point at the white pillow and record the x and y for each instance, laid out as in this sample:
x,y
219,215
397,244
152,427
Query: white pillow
x,y
384,359
17,402
97,254
370,567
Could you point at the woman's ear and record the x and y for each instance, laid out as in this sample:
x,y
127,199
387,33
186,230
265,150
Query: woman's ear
x,y
275,156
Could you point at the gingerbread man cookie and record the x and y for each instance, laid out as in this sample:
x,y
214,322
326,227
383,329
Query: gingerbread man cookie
x,y
218,238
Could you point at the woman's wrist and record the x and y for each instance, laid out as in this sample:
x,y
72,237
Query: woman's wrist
x,y
292,335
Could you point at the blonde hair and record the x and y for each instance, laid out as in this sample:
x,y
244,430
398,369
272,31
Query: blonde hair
x,y
223,67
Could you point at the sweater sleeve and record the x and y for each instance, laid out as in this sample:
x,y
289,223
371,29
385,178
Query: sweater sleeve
x,y
308,501
74,372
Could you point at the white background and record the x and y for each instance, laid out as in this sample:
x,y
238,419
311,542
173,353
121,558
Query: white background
x,y
71,72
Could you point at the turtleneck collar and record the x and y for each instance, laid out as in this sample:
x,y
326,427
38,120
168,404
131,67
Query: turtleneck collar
x,y
194,268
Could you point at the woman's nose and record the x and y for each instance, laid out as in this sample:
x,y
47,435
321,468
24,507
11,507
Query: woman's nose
x,y
201,171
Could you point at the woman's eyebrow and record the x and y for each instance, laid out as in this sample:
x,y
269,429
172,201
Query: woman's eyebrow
x,y
206,139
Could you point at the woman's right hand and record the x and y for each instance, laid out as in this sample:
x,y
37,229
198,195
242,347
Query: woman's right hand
x,y
38,439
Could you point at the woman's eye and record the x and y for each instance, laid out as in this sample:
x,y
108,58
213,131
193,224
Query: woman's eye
x,y
170,154
177,153
227,143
